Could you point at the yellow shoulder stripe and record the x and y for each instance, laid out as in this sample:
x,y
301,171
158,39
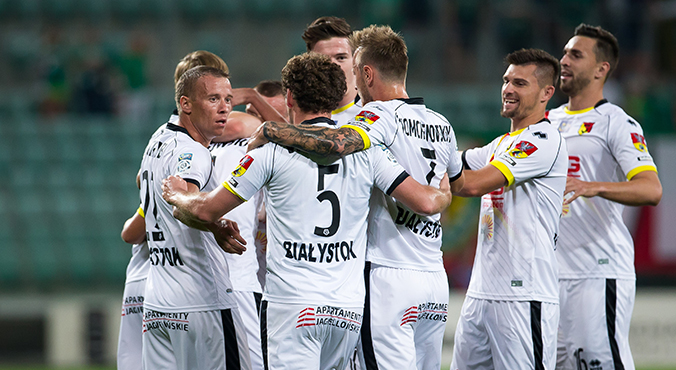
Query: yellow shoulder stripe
x,y
640,169
505,171
362,133
227,186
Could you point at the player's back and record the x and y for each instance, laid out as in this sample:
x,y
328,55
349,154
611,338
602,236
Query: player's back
x,y
188,271
424,143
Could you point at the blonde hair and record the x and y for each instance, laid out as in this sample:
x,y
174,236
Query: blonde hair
x,y
383,49
199,58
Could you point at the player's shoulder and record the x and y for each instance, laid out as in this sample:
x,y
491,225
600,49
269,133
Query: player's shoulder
x,y
543,134
556,113
616,115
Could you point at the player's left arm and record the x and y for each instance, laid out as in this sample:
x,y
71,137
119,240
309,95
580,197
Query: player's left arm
x,y
134,229
424,199
643,189
483,181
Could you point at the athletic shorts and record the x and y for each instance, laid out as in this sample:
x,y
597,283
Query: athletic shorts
x,y
206,340
249,304
594,326
130,341
404,318
506,335
308,337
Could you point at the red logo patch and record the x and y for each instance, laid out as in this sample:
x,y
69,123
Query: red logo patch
x,y
523,149
367,117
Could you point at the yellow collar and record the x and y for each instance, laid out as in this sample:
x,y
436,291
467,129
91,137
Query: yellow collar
x,y
565,109
343,108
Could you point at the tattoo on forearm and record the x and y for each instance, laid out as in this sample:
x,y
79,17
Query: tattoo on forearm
x,y
320,141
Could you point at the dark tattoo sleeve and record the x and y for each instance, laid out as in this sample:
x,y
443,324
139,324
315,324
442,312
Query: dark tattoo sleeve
x,y
319,141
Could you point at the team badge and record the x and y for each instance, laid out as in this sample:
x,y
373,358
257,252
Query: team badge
x,y
586,128
366,117
523,149
184,163
244,164
639,141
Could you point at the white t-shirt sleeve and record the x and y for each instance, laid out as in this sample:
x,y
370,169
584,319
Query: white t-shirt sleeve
x,y
626,141
375,124
529,157
388,174
476,158
454,168
251,174
192,164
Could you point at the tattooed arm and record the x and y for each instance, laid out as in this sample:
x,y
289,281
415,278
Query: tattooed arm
x,y
315,141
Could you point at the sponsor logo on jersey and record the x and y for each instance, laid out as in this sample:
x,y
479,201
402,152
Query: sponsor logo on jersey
x,y
329,316
132,305
338,251
418,225
424,131
639,141
165,256
645,158
487,227
523,149
563,126
366,117
184,163
166,321
244,164
430,311
585,128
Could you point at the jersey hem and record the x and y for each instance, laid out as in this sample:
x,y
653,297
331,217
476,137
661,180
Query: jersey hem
x,y
582,276
188,309
554,300
438,266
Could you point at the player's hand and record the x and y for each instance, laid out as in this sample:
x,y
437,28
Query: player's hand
x,y
258,139
228,237
444,184
171,185
577,188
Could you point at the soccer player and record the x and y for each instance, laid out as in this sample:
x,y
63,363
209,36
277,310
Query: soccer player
x,y
317,214
609,167
273,93
510,315
191,320
330,36
407,288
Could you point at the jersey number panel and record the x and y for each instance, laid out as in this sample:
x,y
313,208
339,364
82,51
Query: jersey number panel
x,y
332,198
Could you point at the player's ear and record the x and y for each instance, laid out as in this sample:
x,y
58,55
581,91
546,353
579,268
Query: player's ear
x,y
547,93
602,70
186,104
289,99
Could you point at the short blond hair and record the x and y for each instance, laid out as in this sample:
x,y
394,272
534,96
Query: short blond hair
x,y
384,49
199,58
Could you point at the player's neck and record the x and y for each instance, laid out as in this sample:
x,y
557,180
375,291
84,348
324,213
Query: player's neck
x,y
348,98
185,122
533,118
587,98
389,91
300,117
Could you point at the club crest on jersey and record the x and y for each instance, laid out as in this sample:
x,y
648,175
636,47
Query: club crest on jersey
x,y
523,149
366,117
639,141
586,128
184,163
244,164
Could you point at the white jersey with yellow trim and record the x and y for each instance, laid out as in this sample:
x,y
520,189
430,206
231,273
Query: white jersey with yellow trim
x,y
605,145
188,271
519,223
243,267
424,143
344,114
316,219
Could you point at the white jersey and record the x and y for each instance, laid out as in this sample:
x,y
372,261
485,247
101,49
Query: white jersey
x,y
424,143
605,145
188,271
519,223
344,114
316,219
137,269
243,268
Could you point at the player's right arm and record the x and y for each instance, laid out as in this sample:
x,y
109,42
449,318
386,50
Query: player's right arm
x,y
482,181
134,229
423,199
238,126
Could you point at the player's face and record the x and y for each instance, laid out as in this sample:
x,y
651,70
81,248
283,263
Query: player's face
x,y
278,102
211,106
520,91
361,79
577,64
338,49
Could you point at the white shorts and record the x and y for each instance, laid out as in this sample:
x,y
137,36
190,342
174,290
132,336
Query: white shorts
x,y
307,337
594,326
404,318
506,335
249,304
194,341
130,341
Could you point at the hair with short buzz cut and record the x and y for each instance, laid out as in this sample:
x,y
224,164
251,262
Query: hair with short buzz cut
x,y
270,88
316,83
324,28
199,58
187,83
383,49
547,69
606,48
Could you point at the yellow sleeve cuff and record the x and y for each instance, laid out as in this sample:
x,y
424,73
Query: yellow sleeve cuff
x,y
140,212
362,133
227,186
505,171
640,169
